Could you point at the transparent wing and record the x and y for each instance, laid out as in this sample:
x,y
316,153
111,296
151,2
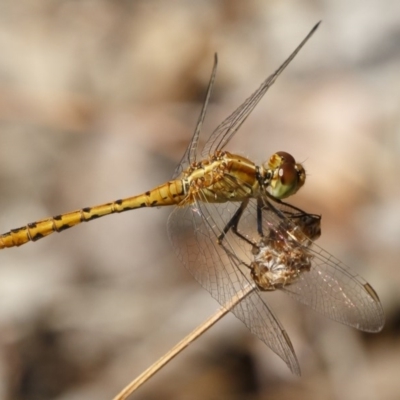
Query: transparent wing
x,y
219,269
329,287
227,129
335,291
191,151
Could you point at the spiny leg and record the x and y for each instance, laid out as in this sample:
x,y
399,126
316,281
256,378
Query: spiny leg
x,y
233,224
261,204
259,217
280,213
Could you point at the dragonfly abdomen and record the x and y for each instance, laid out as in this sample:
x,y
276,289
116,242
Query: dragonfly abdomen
x,y
164,195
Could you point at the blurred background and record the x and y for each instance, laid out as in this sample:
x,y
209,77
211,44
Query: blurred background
x,y
98,100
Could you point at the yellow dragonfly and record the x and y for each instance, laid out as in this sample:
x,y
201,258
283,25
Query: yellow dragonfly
x,y
231,229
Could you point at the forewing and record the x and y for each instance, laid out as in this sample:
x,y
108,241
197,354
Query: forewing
x,y
191,151
227,129
329,287
219,269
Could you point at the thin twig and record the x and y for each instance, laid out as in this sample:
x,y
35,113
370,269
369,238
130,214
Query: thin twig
x,y
207,324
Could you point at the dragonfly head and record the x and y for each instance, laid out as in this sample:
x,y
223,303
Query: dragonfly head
x,y
284,176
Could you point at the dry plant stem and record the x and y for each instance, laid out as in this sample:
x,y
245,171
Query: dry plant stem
x,y
128,390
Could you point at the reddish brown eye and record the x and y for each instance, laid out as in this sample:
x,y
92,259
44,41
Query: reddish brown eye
x,y
287,176
301,175
279,158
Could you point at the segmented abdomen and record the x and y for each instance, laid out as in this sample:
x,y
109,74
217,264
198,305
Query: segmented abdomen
x,y
164,195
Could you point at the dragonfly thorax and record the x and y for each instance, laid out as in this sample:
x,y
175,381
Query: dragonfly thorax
x,y
221,177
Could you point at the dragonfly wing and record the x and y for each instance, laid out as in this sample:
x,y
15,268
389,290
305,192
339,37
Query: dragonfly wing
x,y
227,129
191,151
258,317
329,287
335,291
219,269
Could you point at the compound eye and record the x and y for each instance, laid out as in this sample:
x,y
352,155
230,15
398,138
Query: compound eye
x,y
279,158
288,177
301,175
288,180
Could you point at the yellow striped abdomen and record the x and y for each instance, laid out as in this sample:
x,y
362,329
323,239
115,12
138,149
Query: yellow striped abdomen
x,y
167,194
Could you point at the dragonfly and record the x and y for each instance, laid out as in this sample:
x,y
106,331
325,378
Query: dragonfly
x,y
231,228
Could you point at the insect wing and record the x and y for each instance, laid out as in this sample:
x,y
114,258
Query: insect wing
x,y
191,151
193,231
337,292
328,287
227,129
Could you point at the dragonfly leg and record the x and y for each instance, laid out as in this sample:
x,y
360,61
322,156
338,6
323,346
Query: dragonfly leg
x,y
259,217
233,224
280,213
